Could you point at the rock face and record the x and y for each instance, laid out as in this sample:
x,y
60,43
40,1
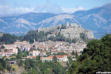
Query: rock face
x,y
72,31
1,34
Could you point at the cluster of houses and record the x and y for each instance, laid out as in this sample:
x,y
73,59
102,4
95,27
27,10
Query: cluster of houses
x,y
63,58
41,49
8,50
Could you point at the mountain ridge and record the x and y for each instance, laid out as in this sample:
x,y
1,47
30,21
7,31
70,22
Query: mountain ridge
x,y
97,20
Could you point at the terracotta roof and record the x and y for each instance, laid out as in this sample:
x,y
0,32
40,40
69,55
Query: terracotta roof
x,y
61,56
31,57
49,57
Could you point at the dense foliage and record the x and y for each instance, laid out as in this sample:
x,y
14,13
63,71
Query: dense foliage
x,y
43,36
3,65
96,57
83,36
35,35
35,66
8,38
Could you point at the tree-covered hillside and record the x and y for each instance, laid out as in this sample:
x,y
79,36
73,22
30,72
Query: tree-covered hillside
x,y
8,39
71,33
96,57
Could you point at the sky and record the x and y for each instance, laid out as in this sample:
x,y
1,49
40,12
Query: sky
x,y
51,6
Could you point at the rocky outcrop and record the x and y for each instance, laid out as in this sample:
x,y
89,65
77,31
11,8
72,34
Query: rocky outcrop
x,y
72,31
1,34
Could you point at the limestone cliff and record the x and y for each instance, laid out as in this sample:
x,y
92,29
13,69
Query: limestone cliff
x,y
72,31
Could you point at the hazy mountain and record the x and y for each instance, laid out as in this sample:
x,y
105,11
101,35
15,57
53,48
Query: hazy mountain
x,y
58,19
97,20
22,23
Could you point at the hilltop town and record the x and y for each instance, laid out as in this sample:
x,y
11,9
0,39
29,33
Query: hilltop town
x,y
46,50
58,45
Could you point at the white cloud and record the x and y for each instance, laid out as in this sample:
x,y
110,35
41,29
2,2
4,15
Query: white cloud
x,y
4,10
7,10
72,10
22,10
51,8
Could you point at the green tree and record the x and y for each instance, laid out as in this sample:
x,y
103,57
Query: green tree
x,y
55,59
83,36
2,64
96,57
20,54
8,38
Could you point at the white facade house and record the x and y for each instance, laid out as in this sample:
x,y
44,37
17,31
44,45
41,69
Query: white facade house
x,y
11,47
34,53
6,53
62,58
49,58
